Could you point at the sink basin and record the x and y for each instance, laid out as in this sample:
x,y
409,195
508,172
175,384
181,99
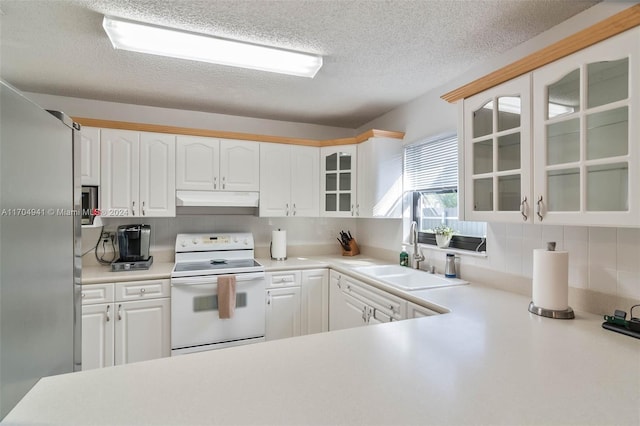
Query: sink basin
x,y
406,278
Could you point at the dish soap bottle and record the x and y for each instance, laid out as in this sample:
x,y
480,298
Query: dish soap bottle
x,y
404,257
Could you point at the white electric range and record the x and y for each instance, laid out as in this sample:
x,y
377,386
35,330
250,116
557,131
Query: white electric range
x,y
200,260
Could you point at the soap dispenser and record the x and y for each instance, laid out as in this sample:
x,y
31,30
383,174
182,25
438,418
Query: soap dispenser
x,y
450,266
404,257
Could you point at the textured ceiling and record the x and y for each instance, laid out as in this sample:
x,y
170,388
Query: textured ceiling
x,y
377,54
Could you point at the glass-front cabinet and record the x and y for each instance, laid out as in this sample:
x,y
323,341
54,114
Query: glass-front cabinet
x,y
497,152
585,116
338,180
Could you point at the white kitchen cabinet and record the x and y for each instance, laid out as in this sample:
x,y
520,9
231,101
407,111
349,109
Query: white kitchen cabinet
x,y
137,173
90,154
142,330
97,335
338,179
583,168
345,311
417,311
353,303
379,178
209,164
197,163
497,152
125,322
586,156
283,318
289,180
315,301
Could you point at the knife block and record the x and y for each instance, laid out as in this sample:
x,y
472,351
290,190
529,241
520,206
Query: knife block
x,y
353,245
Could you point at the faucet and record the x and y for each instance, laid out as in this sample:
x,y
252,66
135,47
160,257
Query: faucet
x,y
417,255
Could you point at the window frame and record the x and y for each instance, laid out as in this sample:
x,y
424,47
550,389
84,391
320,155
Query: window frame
x,y
459,242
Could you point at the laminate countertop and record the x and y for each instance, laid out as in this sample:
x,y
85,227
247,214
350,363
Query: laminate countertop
x,y
487,361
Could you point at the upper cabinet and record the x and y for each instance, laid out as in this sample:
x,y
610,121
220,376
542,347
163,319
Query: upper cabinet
x,y
210,164
137,173
586,125
497,146
338,180
90,152
559,145
289,180
379,178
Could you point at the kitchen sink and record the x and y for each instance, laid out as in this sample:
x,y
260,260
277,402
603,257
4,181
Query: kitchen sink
x,y
406,278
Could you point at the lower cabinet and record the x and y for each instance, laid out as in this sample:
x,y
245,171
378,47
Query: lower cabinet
x,y
297,303
354,303
417,311
125,322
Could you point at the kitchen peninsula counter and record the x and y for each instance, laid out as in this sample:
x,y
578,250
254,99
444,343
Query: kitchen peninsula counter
x,y
487,361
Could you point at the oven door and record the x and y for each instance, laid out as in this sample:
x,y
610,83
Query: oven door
x,y
194,313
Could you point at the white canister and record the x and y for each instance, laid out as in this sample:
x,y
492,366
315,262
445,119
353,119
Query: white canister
x,y
279,244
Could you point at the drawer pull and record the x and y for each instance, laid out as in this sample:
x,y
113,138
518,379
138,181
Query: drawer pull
x,y
142,290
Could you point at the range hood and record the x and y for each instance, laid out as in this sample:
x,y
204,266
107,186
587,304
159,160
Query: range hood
x,y
217,202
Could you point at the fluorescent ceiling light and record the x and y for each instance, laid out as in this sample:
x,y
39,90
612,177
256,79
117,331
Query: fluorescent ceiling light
x,y
155,40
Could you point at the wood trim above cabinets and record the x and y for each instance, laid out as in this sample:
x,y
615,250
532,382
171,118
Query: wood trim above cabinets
x,y
141,127
615,24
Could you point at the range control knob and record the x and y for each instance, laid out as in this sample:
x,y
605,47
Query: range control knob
x,y
246,242
235,239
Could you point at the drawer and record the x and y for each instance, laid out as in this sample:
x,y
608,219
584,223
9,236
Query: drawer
x,y
138,290
393,306
97,293
284,279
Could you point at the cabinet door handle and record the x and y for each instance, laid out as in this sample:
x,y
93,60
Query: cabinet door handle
x,y
338,282
119,313
357,209
133,208
224,182
294,209
523,209
539,208
268,298
143,212
108,317
364,314
215,182
287,208
353,212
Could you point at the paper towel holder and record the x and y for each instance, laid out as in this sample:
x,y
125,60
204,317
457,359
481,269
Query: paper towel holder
x,y
551,313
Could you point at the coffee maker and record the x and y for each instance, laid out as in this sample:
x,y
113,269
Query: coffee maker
x,y
133,246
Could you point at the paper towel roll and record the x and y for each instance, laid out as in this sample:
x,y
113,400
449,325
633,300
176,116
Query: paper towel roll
x,y
551,279
279,244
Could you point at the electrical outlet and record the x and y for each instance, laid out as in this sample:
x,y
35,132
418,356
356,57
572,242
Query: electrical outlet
x,y
107,236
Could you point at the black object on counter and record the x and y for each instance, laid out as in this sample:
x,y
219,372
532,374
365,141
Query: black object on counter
x,y
618,323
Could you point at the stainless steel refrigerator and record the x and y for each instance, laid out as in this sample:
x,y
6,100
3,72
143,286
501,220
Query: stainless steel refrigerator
x,y
40,197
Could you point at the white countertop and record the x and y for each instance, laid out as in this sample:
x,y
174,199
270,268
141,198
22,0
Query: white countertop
x,y
488,361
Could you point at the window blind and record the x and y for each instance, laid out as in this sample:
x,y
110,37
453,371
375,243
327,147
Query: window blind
x,y
431,165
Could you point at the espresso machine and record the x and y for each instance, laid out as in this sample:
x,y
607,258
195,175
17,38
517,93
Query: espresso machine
x,y
133,246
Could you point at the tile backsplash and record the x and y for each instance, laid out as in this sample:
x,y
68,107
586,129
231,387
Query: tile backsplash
x,y
606,260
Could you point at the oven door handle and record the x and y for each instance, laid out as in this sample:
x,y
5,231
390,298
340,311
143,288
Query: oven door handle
x,y
213,279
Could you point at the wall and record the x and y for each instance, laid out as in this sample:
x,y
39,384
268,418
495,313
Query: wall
x,y
305,236
603,261
88,108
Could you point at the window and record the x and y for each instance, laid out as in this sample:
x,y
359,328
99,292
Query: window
x,y
431,177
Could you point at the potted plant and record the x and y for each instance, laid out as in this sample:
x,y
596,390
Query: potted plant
x,y
443,235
